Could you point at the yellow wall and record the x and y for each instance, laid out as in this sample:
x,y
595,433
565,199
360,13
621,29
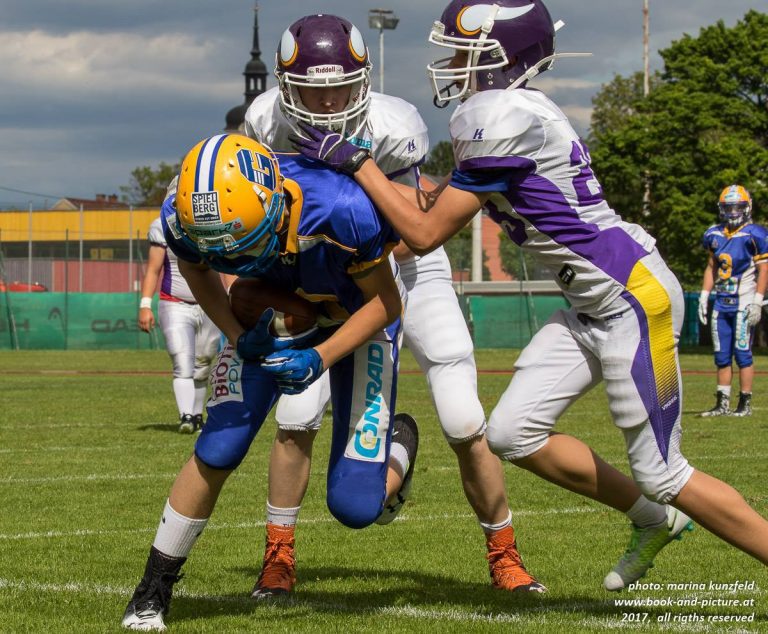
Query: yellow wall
x,y
96,225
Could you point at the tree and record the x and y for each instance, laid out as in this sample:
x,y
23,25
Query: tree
x,y
440,164
440,161
520,264
147,186
703,126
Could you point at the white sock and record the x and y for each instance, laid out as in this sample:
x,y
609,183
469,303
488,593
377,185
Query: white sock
x,y
725,389
645,513
492,528
282,516
201,391
177,534
184,389
398,455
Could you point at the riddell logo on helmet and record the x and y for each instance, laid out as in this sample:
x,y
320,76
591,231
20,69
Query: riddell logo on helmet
x,y
324,71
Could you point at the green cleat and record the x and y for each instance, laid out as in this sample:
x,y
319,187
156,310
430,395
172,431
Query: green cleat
x,y
644,545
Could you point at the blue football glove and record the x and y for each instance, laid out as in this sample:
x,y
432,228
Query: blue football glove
x,y
256,343
331,148
294,370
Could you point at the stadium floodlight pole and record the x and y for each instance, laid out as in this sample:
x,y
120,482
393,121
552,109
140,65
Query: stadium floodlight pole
x,y
29,249
476,274
646,91
382,19
646,73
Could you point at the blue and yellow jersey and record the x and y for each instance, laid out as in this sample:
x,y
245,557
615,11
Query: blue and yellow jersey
x,y
334,233
736,254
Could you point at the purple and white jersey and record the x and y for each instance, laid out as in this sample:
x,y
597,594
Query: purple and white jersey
x,y
519,145
395,133
172,283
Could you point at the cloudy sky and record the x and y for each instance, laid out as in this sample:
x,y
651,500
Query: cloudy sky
x,y
91,89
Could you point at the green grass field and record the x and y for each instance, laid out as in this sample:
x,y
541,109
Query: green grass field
x,y
88,452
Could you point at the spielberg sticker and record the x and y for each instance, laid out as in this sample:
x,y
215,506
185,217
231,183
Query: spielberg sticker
x,y
205,207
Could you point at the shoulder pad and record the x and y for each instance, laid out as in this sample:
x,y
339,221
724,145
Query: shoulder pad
x,y
261,118
497,123
399,134
155,234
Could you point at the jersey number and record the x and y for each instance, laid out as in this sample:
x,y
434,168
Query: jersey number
x,y
586,186
725,266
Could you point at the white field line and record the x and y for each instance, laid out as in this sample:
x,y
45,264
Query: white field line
x,y
617,457
76,449
533,615
88,532
71,448
91,477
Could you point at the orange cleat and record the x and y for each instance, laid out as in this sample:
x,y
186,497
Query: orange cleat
x,y
506,565
278,572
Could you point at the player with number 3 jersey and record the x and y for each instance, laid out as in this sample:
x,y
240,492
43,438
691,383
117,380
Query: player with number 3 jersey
x,y
737,272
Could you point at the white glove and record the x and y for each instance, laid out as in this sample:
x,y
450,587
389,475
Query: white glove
x,y
754,310
703,304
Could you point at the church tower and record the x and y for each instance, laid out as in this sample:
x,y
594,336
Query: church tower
x,y
255,80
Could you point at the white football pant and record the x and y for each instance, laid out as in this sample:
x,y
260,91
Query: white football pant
x,y
192,341
634,352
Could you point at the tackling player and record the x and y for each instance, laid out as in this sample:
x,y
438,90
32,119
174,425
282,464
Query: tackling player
x,y
191,338
240,210
323,71
518,157
738,251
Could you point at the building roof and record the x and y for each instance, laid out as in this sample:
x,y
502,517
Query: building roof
x,y
102,201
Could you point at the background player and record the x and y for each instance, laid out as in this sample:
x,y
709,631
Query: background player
x,y
191,338
240,211
518,156
434,327
737,269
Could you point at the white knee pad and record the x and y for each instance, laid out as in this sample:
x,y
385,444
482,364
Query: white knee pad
x,y
201,374
512,437
202,369
660,480
183,365
460,414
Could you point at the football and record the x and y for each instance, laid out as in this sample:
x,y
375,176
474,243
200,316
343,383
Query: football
x,y
251,296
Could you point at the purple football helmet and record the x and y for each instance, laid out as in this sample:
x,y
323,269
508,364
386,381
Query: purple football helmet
x,y
324,50
506,43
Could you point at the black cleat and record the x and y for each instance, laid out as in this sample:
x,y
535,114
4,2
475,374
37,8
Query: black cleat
x,y
722,406
404,432
151,600
186,424
744,408
197,421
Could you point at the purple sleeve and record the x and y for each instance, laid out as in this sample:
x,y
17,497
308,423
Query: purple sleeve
x,y
491,173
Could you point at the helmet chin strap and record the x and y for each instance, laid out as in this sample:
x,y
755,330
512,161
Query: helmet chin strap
x,y
446,91
475,55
